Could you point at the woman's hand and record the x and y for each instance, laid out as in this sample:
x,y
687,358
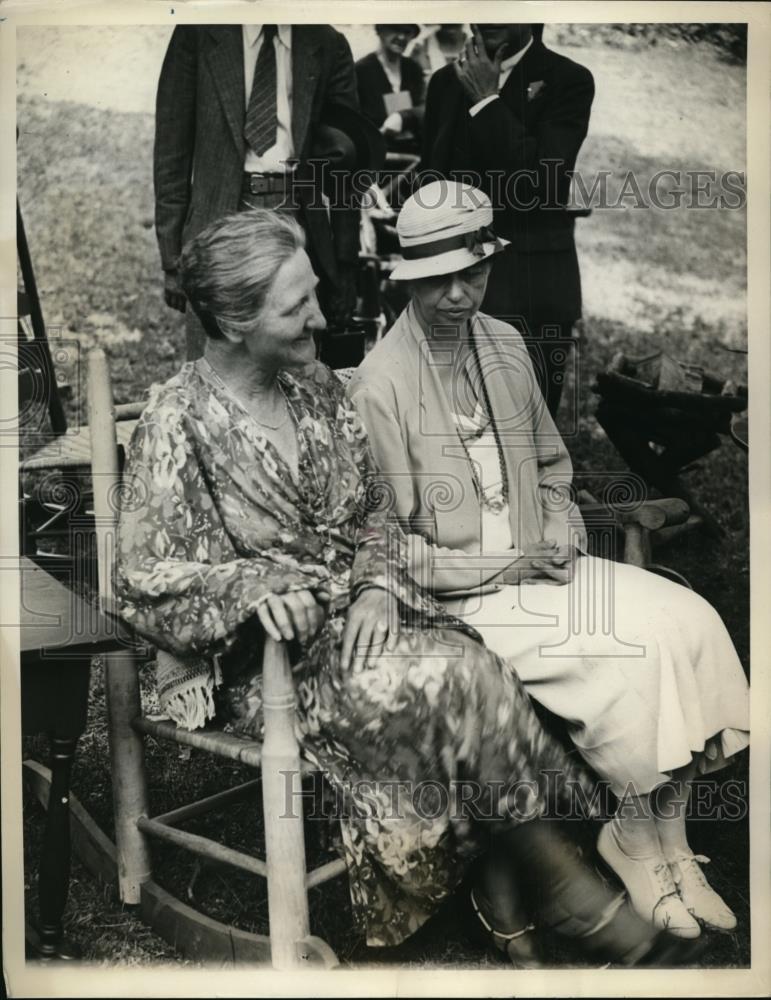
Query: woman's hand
x,y
393,124
542,562
372,619
172,291
555,569
297,615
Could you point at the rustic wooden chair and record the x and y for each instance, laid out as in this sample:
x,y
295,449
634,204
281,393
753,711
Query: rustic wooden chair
x,y
53,495
60,632
278,758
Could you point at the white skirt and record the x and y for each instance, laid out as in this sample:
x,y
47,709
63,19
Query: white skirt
x,y
641,668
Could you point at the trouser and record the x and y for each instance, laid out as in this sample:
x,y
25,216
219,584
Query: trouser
x,y
540,295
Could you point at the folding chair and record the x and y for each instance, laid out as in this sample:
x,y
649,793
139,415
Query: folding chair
x,y
277,756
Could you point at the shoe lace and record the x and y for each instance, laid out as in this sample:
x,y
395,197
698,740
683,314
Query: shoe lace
x,y
663,878
691,862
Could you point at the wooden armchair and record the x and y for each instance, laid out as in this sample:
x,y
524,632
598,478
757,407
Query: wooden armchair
x,y
290,944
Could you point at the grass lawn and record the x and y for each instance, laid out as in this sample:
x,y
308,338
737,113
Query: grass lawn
x,y
651,279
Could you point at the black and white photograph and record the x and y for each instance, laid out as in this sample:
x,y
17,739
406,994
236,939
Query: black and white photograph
x,y
386,537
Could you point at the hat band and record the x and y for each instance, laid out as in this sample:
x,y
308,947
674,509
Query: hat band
x,y
473,242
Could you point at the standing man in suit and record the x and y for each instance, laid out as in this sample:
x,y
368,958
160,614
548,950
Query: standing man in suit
x,y
509,117
237,111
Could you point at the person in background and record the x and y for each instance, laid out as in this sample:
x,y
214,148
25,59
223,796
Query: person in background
x,y
437,45
237,112
392,88
511,116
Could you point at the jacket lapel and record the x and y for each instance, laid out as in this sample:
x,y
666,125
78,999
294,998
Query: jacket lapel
x,y
225,57
305,75
530,69
440,449
510,387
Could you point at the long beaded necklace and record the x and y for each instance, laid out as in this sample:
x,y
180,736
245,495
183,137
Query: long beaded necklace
x,y
495,506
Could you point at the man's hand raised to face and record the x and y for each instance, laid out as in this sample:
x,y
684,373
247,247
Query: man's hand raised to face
x,y
477,72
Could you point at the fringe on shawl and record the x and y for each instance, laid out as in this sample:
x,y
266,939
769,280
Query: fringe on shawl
x,y
186,687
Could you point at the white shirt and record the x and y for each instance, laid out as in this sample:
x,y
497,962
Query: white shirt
x,y
495,533
506,67
273,159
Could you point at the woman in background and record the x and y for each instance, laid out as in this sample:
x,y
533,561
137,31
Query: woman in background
x,y
392,87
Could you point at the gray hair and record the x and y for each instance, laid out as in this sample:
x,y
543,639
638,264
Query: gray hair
x,y
227,270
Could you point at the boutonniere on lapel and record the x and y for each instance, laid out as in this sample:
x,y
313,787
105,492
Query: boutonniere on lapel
x,y
534,89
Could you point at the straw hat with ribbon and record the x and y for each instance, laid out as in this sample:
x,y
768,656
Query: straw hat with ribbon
x,y
444,227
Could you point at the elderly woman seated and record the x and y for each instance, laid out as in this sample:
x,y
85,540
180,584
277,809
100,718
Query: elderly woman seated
x,y
253,515
641,669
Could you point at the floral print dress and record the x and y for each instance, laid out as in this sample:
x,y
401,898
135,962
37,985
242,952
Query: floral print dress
x,y
213,519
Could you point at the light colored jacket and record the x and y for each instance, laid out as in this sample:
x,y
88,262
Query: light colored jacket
x,y
400,397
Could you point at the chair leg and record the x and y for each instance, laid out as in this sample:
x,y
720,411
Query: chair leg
x,y
54,872
282,798
129,780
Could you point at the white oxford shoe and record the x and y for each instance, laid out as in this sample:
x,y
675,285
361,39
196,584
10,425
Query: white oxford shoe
x,y
651,888
698,896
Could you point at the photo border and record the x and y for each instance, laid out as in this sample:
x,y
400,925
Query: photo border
x,y
88,980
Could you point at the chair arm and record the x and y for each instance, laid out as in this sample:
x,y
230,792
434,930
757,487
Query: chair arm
x,y
654,514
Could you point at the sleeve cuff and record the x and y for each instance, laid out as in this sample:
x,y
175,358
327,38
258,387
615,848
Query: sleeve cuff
x,y
476,108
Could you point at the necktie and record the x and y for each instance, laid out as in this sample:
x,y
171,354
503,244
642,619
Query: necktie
x,y
261,122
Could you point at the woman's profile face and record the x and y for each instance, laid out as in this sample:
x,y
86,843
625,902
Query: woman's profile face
x,y
282,336
450,299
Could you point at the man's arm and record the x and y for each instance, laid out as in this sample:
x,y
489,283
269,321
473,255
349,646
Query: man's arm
x,y
341,89
344,222
432,115
175,113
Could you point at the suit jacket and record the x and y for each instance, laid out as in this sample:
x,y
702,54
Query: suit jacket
x,y
373,84
199,142
400,398
519,131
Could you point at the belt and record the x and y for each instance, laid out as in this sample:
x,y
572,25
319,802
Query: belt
x,y
266,183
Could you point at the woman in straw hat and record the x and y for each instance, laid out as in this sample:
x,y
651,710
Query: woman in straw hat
x,y
641,669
